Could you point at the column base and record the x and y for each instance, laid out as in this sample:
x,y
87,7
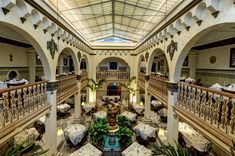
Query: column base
x,y
147,121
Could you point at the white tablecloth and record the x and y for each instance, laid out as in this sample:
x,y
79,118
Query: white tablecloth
x,y
193,138
138,108
145,131
113,98
75,133
156,103
136,149
88,107
63,107
3,85
101,115
129,115
87,150
26,136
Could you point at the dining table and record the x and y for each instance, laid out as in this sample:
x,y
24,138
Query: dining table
x,y
75,133
26,136
63,107
129,115
87,150
193,138
100,114
138,108
144,131
135,149
88,107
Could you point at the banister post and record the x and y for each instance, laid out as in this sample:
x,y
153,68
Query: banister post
x,y
77,101
147,98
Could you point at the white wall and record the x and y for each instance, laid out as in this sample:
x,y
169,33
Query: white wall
x,y
222,55
106,63
19,56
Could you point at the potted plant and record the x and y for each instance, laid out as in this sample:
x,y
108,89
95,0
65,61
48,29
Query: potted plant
x,y
125,136
123,121
169,150
93,85
128,86
98,131
18,150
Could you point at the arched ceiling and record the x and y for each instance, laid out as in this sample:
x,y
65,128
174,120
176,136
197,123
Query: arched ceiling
x,y
124,22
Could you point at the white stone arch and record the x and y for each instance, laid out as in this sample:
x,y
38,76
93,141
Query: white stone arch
x,y
155,52
70,51
187,45
36,45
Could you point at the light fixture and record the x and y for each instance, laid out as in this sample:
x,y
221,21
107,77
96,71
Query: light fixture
x,y
83,103
161,132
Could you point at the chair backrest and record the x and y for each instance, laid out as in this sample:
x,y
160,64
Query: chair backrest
x,y
14,84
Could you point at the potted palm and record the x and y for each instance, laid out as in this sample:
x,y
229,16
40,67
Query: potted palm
x,y
93,85
169,150
124,135
123,121
98,131
127,85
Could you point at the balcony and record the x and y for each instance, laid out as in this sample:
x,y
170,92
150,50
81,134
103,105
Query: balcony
x,y
67,86
113,75
141,80
210,111
20,106
158,88
84,80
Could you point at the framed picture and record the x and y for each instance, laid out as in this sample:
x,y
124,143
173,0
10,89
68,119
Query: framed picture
x,y
232,57
113,65
65,61
185,61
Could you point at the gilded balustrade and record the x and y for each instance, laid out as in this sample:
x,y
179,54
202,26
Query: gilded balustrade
x,y
213,106
113,75
20,101
84,79
141,80
67,86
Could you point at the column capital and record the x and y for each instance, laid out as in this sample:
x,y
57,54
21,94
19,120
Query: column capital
x,y
172,86
79,77
52,86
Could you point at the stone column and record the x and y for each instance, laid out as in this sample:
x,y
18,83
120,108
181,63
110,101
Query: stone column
x,y
60,64
192,64
51,122
31,65
77,101
172,118
147,98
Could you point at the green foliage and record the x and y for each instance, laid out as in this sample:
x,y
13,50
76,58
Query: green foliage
x,y
124,134
18,150
123,121
98,130
169,150
95,85
128,85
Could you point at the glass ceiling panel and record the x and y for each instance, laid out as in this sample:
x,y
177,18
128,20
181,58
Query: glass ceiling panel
x,y
107,20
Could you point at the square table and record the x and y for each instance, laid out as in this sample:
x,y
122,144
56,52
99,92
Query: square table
x,y
100,114
129,115
145,131
88,107
63,107
136,149
87,150
75,133
138,108
193,138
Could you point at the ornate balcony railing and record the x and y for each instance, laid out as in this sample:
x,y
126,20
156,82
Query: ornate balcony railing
x,y
84,79
211,109
158,87
67,86
113,75
141,80
20,104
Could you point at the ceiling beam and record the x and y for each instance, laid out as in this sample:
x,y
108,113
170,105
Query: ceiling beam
x,y
125,3
85,6
113,16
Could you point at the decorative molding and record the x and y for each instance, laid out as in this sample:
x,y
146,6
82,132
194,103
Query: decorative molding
x,y
51,86
172,86
79,77
52,46
79,56
22,19
146,56
15,43
171,48
133,54
5,11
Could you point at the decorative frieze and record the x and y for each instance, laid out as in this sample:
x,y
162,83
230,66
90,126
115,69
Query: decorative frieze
x,y
51,86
